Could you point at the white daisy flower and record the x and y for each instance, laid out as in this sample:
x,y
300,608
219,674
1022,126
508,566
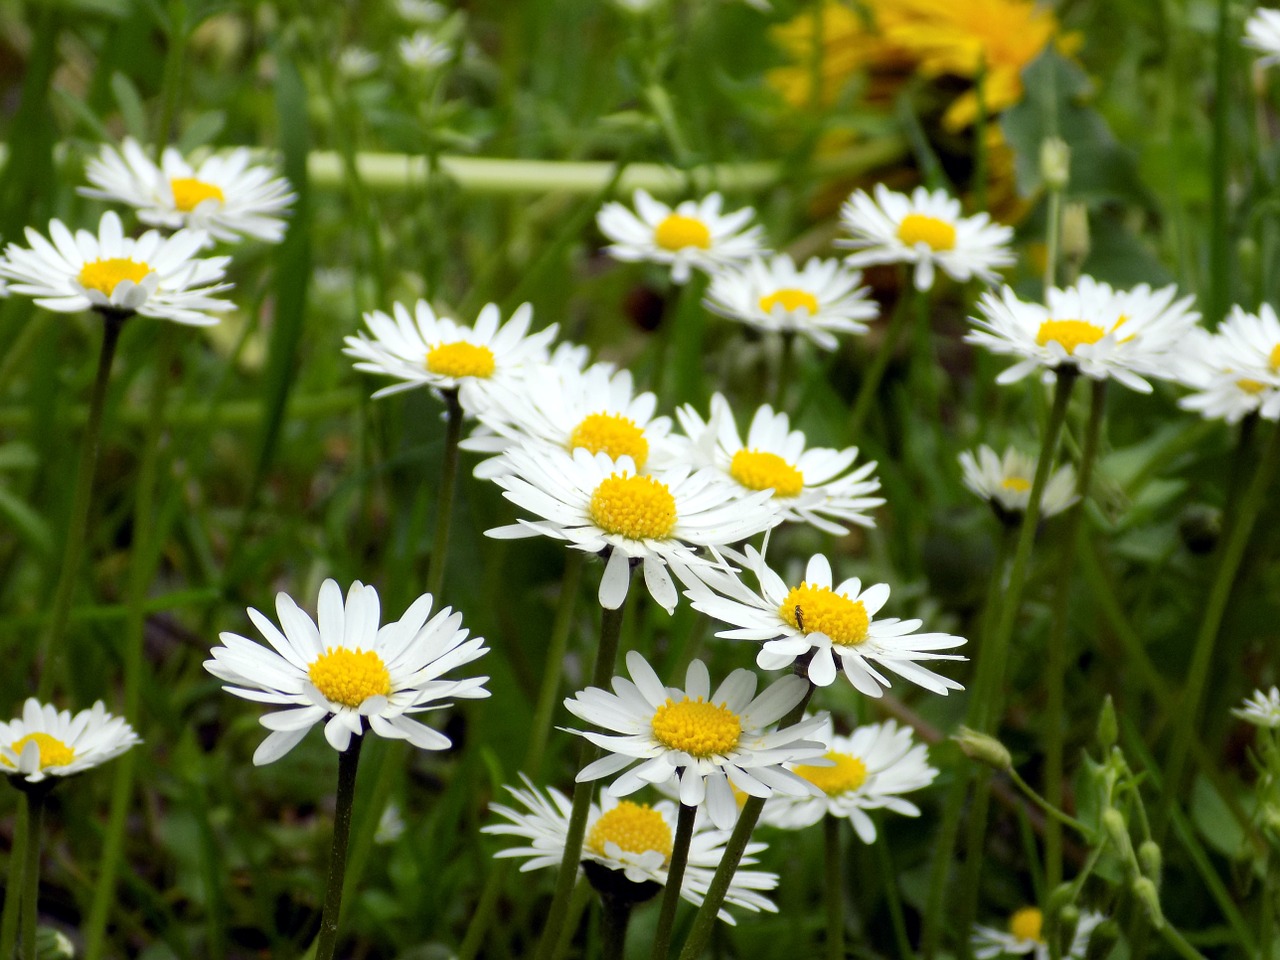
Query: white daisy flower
x,y
1262,709
925,229
822,621
423,350
807,485
695,234
421,11
633,838
424,52
47,742
227,196
1123,334
349,669
1235,370
1262,33
596,503
710,742
869,770
153,276
357,62
818,301
1005,482
1025,937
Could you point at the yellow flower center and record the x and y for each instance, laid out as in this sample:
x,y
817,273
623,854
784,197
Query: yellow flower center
x,y
791,300
1026,924
934,233
849,773
635,827
103,275
460,359
189,193
1251,386
1017,484
1274,359
1069,333
698,728
678,231
822,610
759,470
53,752
640,508
612,434
350,677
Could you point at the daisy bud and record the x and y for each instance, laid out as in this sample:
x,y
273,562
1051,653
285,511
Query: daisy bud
x,y
54,945
1118,832
1062,927
1147,895
1075,233
1151,860
1055,162
1107,730
984,749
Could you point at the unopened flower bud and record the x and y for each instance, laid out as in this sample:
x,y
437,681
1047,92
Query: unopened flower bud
x,y
1147,895
53,945
1151,861
1055,162
983,748
1075,233
1108,730
1118,832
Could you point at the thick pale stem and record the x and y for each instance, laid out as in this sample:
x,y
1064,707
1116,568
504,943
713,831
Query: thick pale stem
x,y
444,505
348,761
675,880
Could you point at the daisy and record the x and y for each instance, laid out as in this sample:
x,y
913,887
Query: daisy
x,y
1262,709
1025,937
824,622
807,485
694,234
423,350
357,62
227,196
818,301
1235,370
925,229
1005,482
424,52
45,742
1262,33
632,838
868,771
596,503
710,741
113,274
349,669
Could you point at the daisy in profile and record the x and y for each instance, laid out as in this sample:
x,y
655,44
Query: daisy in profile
x,y
631,839
349,670
1262,709
227,195
421,349
819,301
596,504
818,486
695,234
869,770
927,230
1024,937
1262,33
151,276
1005,482
1121,334
1234,371
46,742
833,625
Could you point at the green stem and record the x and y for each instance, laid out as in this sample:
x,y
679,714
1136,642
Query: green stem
x,y
606,656
875,373
444,505
889,876
1219,242
615,915
348,761
833,892
786,362
675,880
924,366
52,641
1053,239
175,61
34,795
552,668
12,891
1055,814
1179,943
975,838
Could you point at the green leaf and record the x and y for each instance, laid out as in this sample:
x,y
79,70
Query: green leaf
x,y
132,111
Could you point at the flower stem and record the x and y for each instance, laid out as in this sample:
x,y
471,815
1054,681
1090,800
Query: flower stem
x,y
348,760
875,373
554,664
606,656
1220,243
786,363
34,795
12,891
51,640
616,914
833,887
1055,814
675,880
444,505
1052,239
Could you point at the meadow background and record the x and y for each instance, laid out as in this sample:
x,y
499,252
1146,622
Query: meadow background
x,y
248,458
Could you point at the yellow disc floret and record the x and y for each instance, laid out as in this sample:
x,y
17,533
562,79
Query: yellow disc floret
x,y
1274,358
639,508
460,359
634,827
791,300
934,233
678,231
53,752
821,610
698,728
104,275
350,677
1251,386
189,193
761,470
849,773
611,433
1016,484
1069,334
1026,924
